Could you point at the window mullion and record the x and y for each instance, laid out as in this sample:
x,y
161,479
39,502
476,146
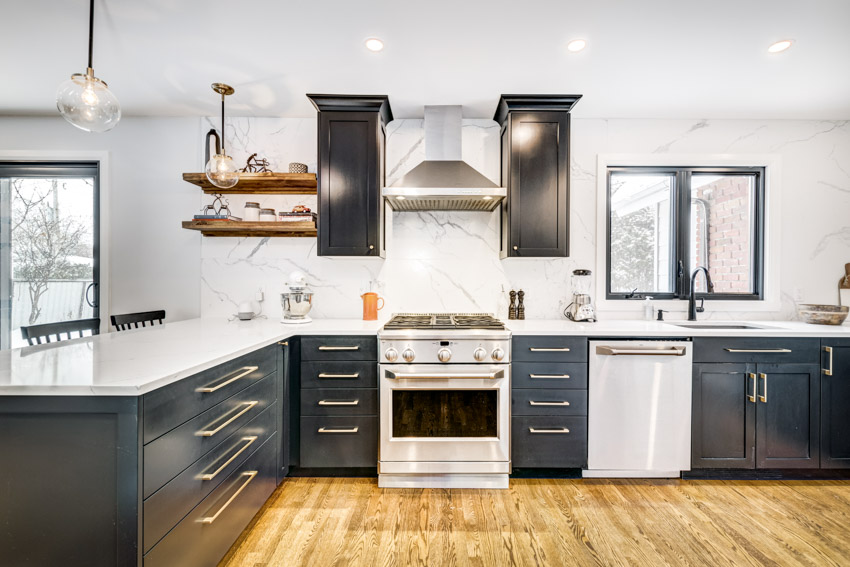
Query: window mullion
x,y
681,262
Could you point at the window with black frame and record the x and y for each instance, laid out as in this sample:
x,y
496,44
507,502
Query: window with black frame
x,y
49,245
664,222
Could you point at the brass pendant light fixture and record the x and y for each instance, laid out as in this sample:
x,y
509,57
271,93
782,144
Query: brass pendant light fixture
x,y
220,170
84,100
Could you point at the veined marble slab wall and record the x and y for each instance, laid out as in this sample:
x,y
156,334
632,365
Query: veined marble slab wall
x,y
449,261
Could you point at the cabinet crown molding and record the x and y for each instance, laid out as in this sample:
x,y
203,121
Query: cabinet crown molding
x,y
353,103
530,102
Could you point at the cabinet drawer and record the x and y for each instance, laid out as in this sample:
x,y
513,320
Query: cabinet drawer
x,y
168,407
339,401
352,374
203,537
339,442
166,457
549,375
168,505
756,349
548,402
549,442
339,348
549,349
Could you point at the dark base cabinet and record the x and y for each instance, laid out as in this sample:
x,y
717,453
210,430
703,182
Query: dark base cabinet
x,y
752,412
835,404
168,478
549,402
339,403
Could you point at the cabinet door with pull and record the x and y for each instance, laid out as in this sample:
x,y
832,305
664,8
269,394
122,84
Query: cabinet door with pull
x,y
835,401
788,416
724,416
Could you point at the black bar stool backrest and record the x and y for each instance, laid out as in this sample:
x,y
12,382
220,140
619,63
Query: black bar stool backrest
x,y
136,320
35,333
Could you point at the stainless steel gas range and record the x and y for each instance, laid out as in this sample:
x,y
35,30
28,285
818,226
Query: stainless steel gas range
x,y
445,401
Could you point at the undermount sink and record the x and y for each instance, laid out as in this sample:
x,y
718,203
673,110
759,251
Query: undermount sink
x,y
718,326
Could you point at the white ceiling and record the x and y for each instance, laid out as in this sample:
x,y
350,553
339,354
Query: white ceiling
x,y
645,58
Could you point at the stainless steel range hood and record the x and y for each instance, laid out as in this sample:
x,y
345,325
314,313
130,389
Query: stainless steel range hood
x,y
443,182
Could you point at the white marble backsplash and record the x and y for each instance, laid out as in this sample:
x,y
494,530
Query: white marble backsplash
x,y
449,261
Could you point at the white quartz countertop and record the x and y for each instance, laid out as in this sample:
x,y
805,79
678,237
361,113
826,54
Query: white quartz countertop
x,y
629,328
132,363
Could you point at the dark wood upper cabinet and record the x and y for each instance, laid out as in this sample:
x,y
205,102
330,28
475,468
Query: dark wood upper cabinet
x,y
351,173
535,142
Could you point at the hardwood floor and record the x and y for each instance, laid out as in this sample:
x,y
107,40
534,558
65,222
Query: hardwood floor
x,y
344,521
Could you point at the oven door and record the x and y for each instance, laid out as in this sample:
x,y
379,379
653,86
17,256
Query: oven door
x,y
433,415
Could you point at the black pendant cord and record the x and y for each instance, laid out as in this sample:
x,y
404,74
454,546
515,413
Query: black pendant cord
x,y
223,151
91,31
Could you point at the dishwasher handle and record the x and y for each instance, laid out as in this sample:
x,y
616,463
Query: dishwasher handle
x,y
641,351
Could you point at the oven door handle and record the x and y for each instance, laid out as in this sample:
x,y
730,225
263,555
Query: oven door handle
x,y
496,375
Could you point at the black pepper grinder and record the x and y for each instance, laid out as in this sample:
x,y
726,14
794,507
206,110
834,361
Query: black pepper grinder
x,y
520,308
512,308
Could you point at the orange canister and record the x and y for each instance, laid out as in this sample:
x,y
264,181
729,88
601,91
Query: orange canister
x,y
371,306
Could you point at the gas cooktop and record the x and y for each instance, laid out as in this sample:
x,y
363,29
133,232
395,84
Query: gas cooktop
x,y
443,321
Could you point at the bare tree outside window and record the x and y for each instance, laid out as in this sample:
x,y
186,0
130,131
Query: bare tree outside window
x,y
49,243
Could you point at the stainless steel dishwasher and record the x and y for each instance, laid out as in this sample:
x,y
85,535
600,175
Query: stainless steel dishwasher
x,y
639,409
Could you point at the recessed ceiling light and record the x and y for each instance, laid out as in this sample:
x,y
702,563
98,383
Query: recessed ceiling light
x,y
780,46
576,45
374,44
401,197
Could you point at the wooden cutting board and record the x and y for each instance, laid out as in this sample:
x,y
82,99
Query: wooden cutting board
x,y
844,287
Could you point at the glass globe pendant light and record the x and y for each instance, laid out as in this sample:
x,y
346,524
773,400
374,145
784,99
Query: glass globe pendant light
x,y
84,100
220,170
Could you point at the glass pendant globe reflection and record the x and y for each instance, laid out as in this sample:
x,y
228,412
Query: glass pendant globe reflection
x,y
86,102
222,172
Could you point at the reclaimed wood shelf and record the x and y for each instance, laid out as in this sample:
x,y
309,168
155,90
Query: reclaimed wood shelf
x,y
304,229
260,183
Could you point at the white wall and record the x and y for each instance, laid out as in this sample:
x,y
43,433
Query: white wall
x,y
435,261
153,262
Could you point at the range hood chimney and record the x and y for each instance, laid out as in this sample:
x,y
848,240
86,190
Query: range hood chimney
x,y
443,182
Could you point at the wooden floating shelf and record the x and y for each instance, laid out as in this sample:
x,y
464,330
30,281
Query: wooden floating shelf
x,y
260,183
301,229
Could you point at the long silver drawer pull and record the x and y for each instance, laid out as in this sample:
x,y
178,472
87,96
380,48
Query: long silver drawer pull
x,y
552,430
436,376
336,430
212,475
245,370
828,371
250,475
533,403
237,415
761,350
339,347
536,349
552,376
339,402
325,375
643,351
763,398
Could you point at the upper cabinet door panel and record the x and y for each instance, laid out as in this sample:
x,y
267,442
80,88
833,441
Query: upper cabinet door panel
x,y
349,185
539,184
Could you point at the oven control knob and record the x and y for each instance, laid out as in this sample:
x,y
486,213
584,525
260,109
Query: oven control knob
x,y
498,354
479,354
444,355
408,355
391,354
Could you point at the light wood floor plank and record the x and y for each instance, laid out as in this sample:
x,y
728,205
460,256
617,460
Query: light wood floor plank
x,y
350,522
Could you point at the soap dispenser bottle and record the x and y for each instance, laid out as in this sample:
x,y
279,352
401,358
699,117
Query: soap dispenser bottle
x,y
648,308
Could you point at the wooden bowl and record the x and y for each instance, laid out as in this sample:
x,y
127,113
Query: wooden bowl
x,y
822,314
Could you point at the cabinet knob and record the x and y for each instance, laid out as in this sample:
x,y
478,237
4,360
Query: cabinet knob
x,y
371,247
516,247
